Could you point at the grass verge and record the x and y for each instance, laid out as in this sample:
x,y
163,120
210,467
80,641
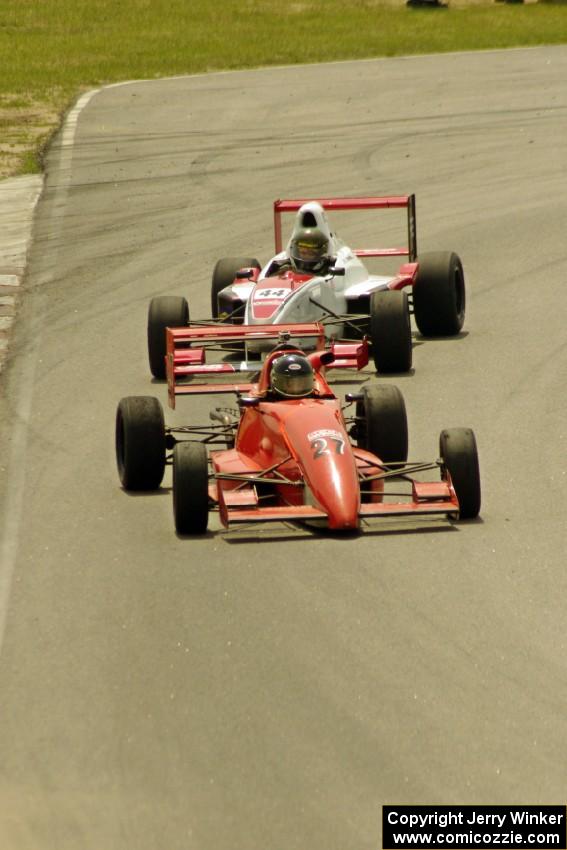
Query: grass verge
x,y
52,50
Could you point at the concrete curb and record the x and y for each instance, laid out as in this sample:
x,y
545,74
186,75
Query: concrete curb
x,y
18,198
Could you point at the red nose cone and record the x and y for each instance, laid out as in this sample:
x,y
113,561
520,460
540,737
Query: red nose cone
x,y
316,433
337,491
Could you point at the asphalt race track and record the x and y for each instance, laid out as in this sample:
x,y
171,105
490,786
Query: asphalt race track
x,y
270,688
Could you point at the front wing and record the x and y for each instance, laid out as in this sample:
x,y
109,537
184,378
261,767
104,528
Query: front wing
x,y
241,504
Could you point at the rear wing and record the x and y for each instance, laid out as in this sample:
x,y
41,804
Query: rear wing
x,y
187,348
386,203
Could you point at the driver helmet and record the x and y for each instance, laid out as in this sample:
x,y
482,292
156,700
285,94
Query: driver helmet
x,y
309,249
292,376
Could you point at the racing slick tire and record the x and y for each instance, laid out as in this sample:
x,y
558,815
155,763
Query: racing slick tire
x,y
224,273
390,331
458,451
439,295
382,425
165,311
140,442
190,488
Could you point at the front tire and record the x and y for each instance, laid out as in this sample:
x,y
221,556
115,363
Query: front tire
x,y
190,488
140,443
458,451
390,331
439,298
382,425
165,311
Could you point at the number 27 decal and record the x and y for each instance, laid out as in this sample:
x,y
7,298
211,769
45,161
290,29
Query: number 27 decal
x,y
320,446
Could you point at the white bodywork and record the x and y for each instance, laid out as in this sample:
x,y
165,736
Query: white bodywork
x,y
288,297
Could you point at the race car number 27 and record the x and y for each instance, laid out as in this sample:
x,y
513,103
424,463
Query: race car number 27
x,y
326,442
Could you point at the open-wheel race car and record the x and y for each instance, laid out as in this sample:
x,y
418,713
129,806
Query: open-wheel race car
x,y
317,277
289,450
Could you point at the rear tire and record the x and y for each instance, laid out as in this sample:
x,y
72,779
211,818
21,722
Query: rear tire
x,y
224,274
190,488
165,311
458,451
140,443
382,426
439,298
390,331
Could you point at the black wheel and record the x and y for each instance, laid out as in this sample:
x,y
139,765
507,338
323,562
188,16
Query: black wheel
x,y
439,295
190,488
458,451
140,443
166,311
382,425
224,274
390,331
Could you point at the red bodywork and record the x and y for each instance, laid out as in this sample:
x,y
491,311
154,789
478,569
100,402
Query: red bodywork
x,y
293,459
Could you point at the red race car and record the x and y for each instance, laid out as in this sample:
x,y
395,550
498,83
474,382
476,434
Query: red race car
x,y
290,451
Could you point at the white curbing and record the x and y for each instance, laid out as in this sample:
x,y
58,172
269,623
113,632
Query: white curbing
x,y
9,280
18,198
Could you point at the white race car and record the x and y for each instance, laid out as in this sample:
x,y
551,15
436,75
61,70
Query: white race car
x,y
318,278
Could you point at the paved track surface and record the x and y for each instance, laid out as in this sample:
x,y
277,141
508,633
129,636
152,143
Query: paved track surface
x,y
273,690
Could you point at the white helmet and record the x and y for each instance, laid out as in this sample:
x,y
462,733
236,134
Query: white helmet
x,y
311,241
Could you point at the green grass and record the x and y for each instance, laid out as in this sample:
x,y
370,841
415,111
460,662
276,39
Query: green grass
x,y
51,50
